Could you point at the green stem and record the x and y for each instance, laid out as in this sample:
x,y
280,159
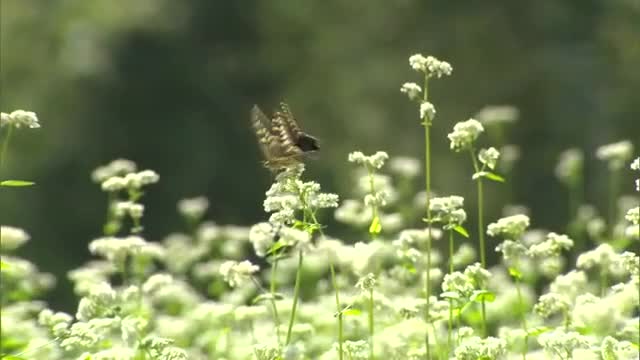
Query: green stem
x,y
5,145
481,244
274,308
614,181
371,352
272,290
427,167
450,331
523,319
296,293
374,207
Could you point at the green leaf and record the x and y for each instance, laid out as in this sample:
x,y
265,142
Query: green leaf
x,y
267,297
352,312
494,177
538,330
375,228
515,273
483,295
16,183
11,357
461,230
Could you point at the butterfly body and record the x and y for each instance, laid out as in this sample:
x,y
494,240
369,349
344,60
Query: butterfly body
x,y
281,140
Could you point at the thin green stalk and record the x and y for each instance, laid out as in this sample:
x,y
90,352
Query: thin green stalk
x,y
374,207
481,244
274,308
523,319
427,166
603,282
371,352
335,288
272,290
296,293
5,145
450,332
614,181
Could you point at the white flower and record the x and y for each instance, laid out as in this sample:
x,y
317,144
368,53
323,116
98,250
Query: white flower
x,y
551,246
448,210
114,183
633,215
118,167
617,154
193,208
12,238
489,157
498,114
430,66
412,90
155,282
117,249
375,161
235,273
19,118
512,226
569,167
427,111
464,134
552,303
405,166
561,342
603,257
261,236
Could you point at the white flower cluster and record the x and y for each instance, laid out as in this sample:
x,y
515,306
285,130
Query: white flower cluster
x,y
134,210
459,286
375,161
427,111
560,342
474,347
465,134
193,208
412,90
430,66
19,118
489,157
12,238
235,273
569,167
448,210
551,247
635,165
405,166
288,194
510,226
116,250
497,115
552,303
118,167
616,154
131,181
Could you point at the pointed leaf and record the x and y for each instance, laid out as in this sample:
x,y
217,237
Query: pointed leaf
x,y
494,177
483,295
16,183
352,312
267,297
375,228
515,273
461,230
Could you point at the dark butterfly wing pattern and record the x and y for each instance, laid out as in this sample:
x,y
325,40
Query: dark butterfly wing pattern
x,y
281,140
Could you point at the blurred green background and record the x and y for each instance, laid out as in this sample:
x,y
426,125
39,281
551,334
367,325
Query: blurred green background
x,y
169,84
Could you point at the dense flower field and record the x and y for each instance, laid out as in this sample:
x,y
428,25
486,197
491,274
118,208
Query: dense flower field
x,y
286,289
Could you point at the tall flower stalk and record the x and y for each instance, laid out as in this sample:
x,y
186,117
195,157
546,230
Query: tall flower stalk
x,y
430,67
617,156
16,119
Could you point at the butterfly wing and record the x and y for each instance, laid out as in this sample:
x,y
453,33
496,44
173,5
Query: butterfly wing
x,y
263,129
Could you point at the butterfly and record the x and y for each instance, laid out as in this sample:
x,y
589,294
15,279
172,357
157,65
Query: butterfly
x,y
281,140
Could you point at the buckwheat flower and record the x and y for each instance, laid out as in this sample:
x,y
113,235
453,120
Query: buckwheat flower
x,y
511,249
134,210
560,342
603,257
117,249
193,208
356,350
427,111
552,246
324,201
376,199
633,215
458,283
12,238
635,165
630,262
19,118
261,237
465,255
430,66
612,349
477,274
570,285
597,314
235,273
140,179
412,90
118,167
366,283
155,282
465,134
616,154
489,157
474,348
405,166
266,351
512,226
498,115
570,165
552,303
375,161
114,183
294,237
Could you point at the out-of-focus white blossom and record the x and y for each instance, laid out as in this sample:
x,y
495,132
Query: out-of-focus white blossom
x,y
497,115
193,208
235,273
12,238
375,161
19,118
465,134
510,226
616,154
